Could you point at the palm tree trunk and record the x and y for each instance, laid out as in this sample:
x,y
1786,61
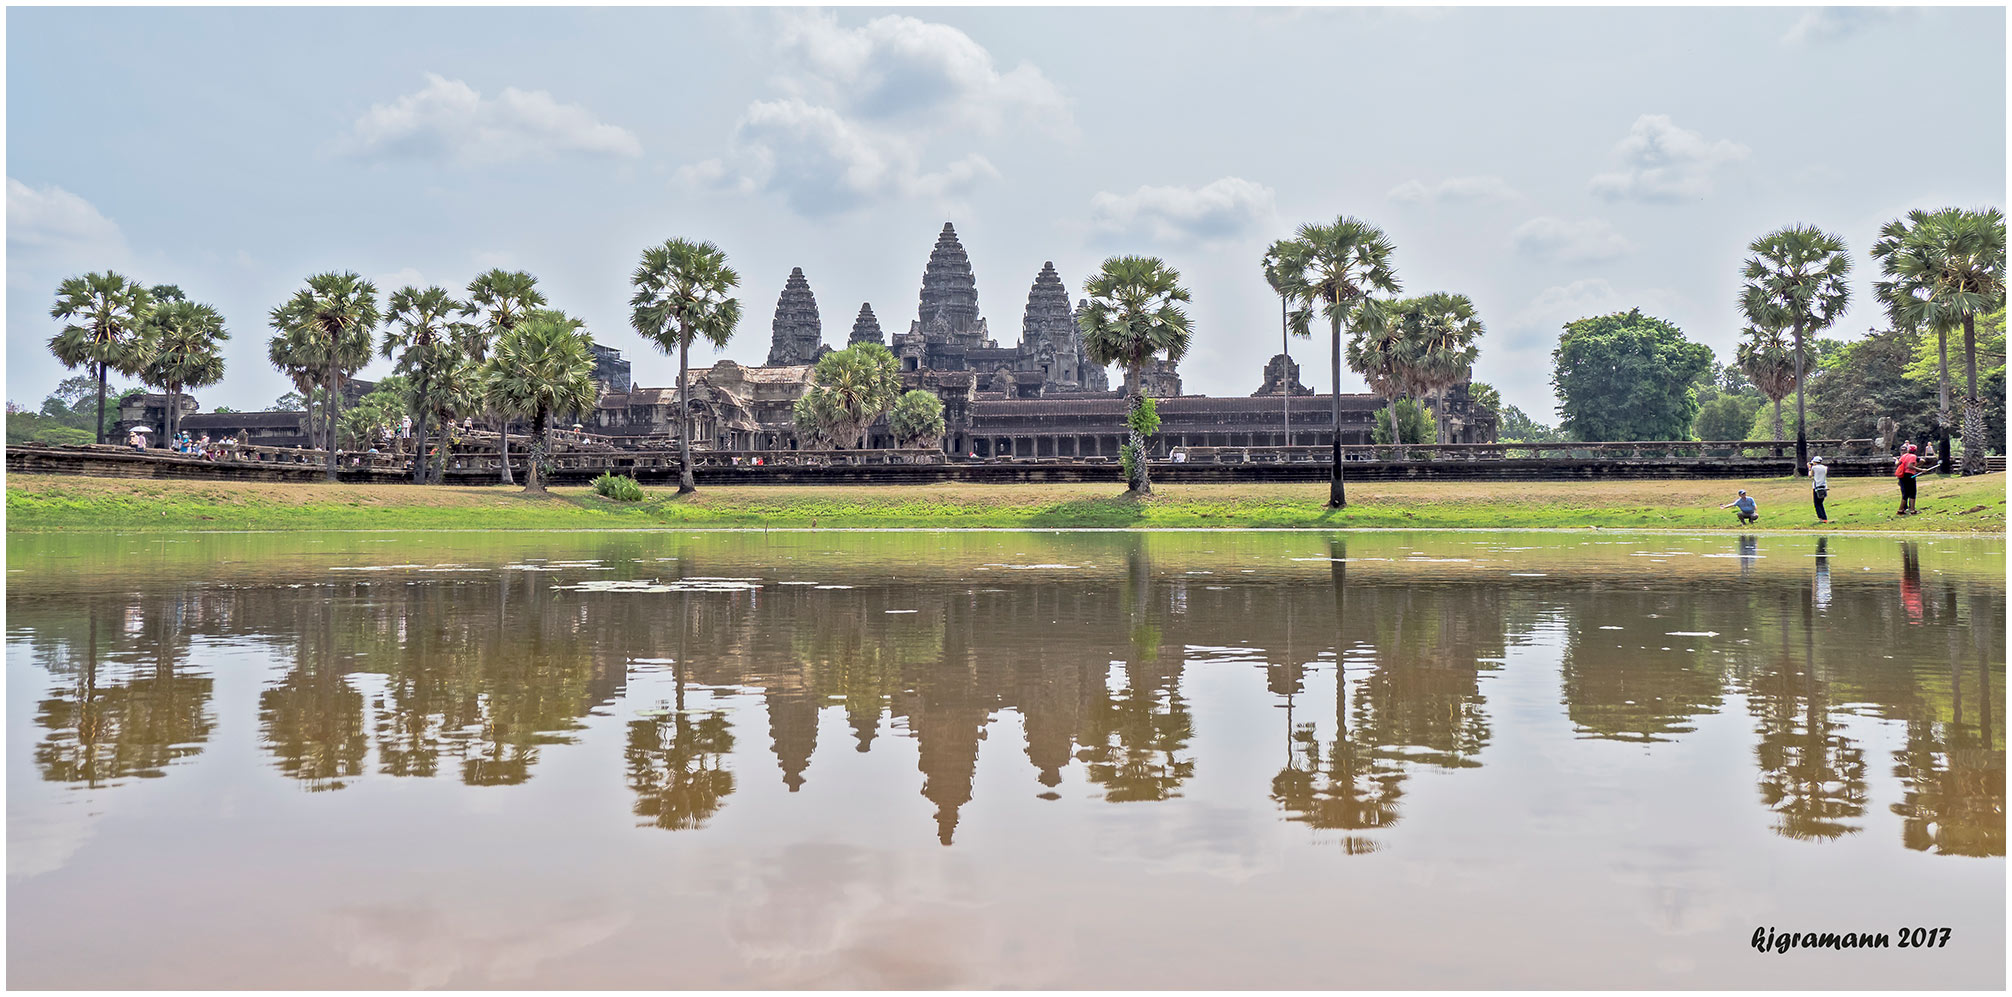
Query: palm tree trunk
x,y
419,451
532,484
1337,494
1777,424
101,402
687,484
503,433
1801,430
174,409
1285,346
1144,483
1973,413
1942,389
331,412
1396,431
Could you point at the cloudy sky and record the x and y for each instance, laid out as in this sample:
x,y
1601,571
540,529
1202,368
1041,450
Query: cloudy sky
x,y
1549,163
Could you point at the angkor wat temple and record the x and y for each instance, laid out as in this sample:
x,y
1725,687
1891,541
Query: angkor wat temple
x,y
1040,396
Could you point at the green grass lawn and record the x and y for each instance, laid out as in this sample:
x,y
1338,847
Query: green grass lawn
x,y
1953,504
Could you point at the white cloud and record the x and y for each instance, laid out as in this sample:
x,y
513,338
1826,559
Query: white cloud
x,y
1555,306
1223,209
449,120
897,68
821,162
49,226
1662,162
897,107
390,282
1828,24
1454,190
1587,240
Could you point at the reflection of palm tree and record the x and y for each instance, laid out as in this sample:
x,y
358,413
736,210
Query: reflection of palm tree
x,y
677,765
102,732
312,721
1811,775
1133,738
1954,797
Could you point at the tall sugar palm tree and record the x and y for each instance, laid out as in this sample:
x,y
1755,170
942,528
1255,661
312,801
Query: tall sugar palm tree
x,y
1378,350
421,338
1336,267
1766,359
291,353
329,324
1796,279
1442,333
1943,268
184,349
502,298
105,312
540,367
1133,318
1276,269
683,292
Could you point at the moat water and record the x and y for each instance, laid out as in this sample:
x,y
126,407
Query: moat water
x,y
810,759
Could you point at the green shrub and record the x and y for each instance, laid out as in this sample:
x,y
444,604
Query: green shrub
x,y
619,488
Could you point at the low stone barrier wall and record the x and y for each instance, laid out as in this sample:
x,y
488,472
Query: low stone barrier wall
x,y
116,462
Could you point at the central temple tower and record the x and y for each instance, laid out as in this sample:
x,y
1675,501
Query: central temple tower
x,y
949,306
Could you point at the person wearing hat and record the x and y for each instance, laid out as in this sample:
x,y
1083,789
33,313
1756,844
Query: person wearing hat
x,y
1748,511
1819,485
1904,470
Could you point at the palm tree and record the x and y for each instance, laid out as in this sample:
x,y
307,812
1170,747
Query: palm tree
x,y
422,335
540,367
1943,268
1442,348
682,290
502,298
1379,349
291,354
853,387
1796,280
1134,317
1765,359
328,324
1275,275
105,312
184,349
1336,266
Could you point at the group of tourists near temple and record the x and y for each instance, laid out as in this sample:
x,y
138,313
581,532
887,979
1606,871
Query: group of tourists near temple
x,y
1907,468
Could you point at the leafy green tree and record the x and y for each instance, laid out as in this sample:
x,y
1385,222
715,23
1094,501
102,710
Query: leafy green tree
x,y
425,341
1336,266
1727,417
105,312
917,419
540,367
1275,274
1944,269
1866,380
683,292
1413,418
184,349
1795,280
290,402
1134,317
503,298
375,414
327,326
1627,376
1767,361
852,387
1517,427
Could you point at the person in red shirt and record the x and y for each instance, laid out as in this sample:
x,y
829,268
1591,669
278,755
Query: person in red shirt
x,y
1905,470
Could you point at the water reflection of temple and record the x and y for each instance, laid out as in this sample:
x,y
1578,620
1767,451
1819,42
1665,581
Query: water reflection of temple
x,y
476,677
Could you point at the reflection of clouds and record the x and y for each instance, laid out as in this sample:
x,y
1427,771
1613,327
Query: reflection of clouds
x,y
1685,889
48,840
1198,838
825,915
434,946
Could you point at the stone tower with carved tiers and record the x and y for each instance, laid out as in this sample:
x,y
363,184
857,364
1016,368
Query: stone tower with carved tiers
x,y
1047,333
798,335
949,305
866,328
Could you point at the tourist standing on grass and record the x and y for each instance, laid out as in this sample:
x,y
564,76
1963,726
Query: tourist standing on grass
x,y
1748,511
1819,485
1905,470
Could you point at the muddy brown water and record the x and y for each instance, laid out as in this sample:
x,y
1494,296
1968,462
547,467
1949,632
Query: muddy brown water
x,y
992,759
